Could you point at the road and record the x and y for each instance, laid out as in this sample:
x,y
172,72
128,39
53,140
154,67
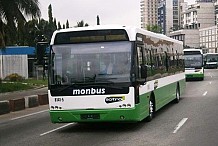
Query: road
x,y
192,122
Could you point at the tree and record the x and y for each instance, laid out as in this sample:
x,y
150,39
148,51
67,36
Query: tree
x,y
50,17
13,12
81,24
52,25
59,25
98,20
154,28
55,24
67,24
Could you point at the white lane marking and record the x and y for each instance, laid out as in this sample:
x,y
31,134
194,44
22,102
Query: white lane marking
x,y
56,129
181,123
205,93
29,115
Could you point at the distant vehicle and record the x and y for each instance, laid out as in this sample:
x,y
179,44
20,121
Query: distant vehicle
x,y
146,72
211,60
194,66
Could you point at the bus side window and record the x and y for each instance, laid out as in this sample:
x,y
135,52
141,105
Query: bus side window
x,y
140,60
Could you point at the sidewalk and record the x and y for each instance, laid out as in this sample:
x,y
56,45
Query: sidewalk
x,y
21,94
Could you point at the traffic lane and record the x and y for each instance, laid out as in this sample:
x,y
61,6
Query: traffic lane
x,y
158,132
161,131
26,128
16,131
23,113
201,127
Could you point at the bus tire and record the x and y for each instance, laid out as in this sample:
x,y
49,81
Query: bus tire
x,y
177,99
151,109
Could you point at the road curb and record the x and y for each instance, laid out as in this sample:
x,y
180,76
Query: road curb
x,y
43,99
17,104
14,105
31,101
4,107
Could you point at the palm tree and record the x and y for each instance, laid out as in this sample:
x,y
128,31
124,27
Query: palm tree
x,y
81,24
13,12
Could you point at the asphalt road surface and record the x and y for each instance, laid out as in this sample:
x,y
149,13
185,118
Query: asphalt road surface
x,y
192,122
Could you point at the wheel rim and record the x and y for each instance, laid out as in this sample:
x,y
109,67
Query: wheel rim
x,y
151,109
177,95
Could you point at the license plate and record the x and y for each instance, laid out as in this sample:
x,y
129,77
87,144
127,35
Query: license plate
x,y
89,116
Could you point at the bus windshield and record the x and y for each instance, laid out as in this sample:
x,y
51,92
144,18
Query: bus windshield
x,y
105,62
212,57
193,61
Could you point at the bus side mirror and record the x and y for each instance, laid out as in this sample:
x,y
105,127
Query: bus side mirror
x,y
144,71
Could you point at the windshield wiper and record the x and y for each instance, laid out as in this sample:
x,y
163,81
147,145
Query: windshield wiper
x,y
66,87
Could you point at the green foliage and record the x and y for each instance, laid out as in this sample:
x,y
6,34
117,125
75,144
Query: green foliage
x,y
59,25
81,24
22,85
13,13
35,82
67,24
0,80
14,77
98,20
9,87
154,28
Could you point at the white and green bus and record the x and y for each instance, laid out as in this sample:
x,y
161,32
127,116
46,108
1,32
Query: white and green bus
x,y
194,64
112,74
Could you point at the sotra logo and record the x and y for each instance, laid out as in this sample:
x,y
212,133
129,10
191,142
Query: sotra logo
x,y
114,99
91,91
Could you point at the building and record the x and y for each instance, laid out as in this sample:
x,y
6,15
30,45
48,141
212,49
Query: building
x,y
208,39
165,15
17,59
199,15
198,22
148,12
189,37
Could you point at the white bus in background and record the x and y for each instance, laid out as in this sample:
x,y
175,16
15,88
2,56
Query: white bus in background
x,y
146,73
194,64
211,60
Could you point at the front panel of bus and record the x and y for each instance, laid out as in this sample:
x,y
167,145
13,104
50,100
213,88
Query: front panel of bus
x,y
91,81
194,65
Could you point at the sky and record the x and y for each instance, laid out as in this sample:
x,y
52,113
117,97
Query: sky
x,y
122,12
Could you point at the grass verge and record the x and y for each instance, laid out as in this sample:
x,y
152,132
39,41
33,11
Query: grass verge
x,y
21,85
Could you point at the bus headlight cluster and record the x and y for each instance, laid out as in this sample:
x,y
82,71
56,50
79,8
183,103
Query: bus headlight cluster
x,y
125,105
56,107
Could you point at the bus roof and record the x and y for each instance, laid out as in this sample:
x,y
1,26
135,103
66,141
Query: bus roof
x,y
192,49
131,31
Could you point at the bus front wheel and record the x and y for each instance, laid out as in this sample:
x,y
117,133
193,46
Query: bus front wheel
x,y
151,110
177,99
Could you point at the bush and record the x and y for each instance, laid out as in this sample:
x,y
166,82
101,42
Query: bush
x,y
0,80
14,77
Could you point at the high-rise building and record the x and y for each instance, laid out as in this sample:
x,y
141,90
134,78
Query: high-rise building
x,y
199,15
148,12
164,13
